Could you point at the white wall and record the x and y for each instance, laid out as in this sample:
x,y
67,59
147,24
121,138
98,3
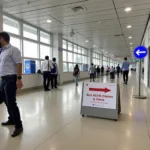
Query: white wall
x,y
146,59
68,76
30,81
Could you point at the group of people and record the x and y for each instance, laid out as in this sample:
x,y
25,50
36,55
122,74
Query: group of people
x,y
95,72
50,72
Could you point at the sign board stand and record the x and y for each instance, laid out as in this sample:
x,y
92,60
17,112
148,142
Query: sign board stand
x,y
140,52
105,105
139,96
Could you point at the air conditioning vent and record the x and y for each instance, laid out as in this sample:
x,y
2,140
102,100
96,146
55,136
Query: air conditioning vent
x,y
78,8
118,35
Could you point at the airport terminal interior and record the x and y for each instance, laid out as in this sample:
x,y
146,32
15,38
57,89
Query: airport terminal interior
x,y
102,32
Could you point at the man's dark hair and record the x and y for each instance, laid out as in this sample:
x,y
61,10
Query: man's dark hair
x,y
5,36
54,59
47,57
92,64
125,58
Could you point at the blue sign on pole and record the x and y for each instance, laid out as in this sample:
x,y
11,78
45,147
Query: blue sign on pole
x,y
140,52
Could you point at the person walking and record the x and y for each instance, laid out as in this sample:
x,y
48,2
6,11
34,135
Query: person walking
x,y
76,74
112,73
125,69
98,71
54,73
102,70
46,69
11,80
91,72
118,70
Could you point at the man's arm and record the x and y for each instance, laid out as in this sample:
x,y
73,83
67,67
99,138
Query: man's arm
x,y
19,70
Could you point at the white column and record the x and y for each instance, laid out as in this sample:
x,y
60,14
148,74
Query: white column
x,y
90,56
102,60
58,53
1,20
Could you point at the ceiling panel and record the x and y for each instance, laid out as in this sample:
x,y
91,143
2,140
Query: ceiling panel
x,y
99,23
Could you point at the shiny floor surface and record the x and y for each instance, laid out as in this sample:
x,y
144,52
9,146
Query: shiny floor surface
x,y
52,121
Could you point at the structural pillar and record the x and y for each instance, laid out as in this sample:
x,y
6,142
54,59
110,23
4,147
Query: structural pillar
x,y
58,54
1,19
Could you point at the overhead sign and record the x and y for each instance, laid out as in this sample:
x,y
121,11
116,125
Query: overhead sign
x,y
140,52
100,95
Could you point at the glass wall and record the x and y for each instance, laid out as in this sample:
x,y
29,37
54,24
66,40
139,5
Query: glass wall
x,y
33,43
74,54
105,61
96,59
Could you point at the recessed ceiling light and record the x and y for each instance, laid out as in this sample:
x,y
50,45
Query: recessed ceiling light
x,y
127,9
131,43
129,26
130,37
49,21
86,41
94,46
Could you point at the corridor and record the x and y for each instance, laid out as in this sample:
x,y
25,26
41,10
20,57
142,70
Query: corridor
x,y
52,121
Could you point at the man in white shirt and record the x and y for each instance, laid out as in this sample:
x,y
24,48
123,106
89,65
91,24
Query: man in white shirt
x,y
46,69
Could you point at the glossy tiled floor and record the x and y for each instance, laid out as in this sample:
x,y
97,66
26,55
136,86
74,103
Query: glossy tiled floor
x,y
52,121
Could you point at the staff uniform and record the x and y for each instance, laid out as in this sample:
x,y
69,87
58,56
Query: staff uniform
x,y
9,58
46,69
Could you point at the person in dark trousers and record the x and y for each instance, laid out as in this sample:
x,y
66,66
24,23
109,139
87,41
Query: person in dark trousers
x,y
118,70
46,69
91,72
102,70
112,73
76,74
11,80
98,71
125,69
54,73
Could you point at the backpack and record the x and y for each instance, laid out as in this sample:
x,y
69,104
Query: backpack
x,y
54,70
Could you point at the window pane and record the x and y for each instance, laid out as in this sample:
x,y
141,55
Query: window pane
x,y
71,66
44,37
15,42
75,58
64,56
30,49
79,49
70,46
65,67
79,59
64,44
75,48
11,25
29,32
80,67
45,51
70,57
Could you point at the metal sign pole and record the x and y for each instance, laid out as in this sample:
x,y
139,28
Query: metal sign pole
x,y
139,90
140,71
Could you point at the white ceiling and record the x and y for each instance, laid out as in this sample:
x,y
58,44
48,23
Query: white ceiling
x,y
102,20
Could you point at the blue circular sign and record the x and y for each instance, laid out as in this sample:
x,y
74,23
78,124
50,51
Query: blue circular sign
x,y
140,52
